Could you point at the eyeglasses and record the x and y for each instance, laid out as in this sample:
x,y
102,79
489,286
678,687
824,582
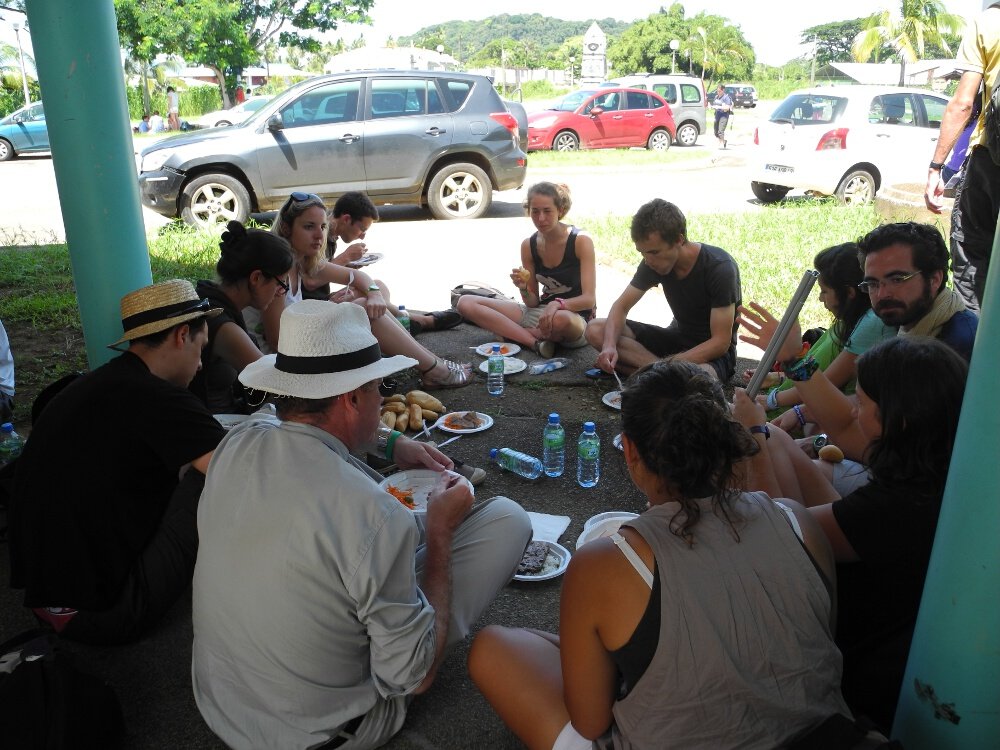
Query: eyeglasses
x,y
871,286
303,197
282,284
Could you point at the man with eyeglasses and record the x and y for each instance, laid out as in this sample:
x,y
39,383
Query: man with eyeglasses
x,y
905,267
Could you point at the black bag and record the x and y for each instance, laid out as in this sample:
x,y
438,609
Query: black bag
x,y
477,288
48,702
991,124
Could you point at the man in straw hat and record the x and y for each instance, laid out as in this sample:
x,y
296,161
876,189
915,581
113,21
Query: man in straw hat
x,y
321,603
103,531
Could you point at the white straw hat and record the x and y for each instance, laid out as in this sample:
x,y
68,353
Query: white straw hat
x,y
158,307
324,349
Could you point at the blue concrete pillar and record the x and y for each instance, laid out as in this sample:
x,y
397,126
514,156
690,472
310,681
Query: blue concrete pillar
x,y
80,72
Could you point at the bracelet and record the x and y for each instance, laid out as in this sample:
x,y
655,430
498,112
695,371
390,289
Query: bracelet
x,y
772,400
760,429
938,165
798,413
525,293
382,438
561,301
801,371
390,443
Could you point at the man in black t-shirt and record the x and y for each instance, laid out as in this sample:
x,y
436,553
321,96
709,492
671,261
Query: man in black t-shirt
x,y
702,286
103,532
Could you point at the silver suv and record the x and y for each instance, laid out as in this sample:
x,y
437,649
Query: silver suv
x,y
441,139
684,94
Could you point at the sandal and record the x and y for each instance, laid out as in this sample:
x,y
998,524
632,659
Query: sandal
x,y
457,375
445,319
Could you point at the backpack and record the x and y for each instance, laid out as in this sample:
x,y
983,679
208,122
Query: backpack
x,y
477,288
48,702
991,124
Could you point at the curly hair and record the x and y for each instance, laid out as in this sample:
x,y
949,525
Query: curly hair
x,y
930,253
559,194
244,251
839,269
659,216
678,419
918,384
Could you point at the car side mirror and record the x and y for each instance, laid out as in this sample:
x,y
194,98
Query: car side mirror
x,y
275,122
596,111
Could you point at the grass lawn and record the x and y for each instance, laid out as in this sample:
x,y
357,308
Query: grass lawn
x,y
614,158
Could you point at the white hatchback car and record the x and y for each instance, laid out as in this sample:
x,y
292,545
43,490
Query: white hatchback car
x,y
237,113
845,141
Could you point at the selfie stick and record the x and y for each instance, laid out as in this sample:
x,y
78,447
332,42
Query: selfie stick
x,y
791,314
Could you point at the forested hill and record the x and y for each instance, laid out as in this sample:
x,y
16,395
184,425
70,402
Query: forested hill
x,y
540,34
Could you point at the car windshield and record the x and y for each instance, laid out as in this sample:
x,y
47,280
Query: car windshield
x,y
572,101
809,109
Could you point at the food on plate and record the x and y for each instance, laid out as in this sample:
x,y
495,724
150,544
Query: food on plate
x,y
463,420
534,558
416,417
388,419
404,496
831,453
424,401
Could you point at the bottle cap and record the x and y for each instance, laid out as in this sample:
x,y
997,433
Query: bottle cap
x,y
402,307
496,348
493,452
553,418
588,426
7,427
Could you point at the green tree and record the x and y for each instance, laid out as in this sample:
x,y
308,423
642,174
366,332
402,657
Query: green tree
x,y
907,31
834,40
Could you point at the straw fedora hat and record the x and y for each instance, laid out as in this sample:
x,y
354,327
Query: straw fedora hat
x,y
324,350
161,306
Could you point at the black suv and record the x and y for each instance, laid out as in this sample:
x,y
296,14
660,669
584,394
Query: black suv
x,y
742,96
441,139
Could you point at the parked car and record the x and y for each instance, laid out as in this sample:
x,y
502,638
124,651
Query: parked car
x,y
436,138
603,118
238,113
23,132
684,94
743,94
845,141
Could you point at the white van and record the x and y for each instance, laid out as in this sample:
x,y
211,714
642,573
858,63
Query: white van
x,y
684,94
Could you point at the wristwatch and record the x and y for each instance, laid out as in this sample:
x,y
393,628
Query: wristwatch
x,y
374,288
938,165
761,429
820,440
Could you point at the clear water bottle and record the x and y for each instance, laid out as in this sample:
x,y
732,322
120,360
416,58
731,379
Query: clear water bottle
x,y
526,466
11,444
588,456
547,365
554,447
494,372
404,317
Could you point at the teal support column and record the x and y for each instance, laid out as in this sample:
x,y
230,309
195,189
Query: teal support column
x,y
79,68
950,699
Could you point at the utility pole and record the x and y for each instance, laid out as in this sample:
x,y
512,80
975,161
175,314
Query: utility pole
x,y
20,51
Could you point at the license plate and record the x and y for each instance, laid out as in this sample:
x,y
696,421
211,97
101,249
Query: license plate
x,y
778,168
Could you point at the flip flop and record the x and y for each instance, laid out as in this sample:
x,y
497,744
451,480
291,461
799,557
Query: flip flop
x,y
445,319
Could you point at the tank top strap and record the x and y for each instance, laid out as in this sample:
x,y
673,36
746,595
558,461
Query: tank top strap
x,y
533,244
571,244
633,558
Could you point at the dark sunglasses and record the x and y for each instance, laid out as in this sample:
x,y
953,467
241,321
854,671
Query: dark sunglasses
x,y
303,197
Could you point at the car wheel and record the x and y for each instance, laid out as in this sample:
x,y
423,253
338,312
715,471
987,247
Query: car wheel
x,y
687,134
659,140
565,140
857,188
6,150
214,198
222,123
459,191
766,193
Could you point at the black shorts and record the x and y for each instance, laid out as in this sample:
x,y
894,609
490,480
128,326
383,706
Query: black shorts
x,y
666,341
973,226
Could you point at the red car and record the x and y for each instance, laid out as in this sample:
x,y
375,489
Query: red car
x,y
603,118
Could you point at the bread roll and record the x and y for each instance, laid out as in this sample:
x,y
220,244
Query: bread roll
x,y
416,415
831,453
401,421
388,419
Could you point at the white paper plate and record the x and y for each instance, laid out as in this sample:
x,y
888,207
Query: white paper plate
x,y
365,260
487,423
613,399
561,554
421,481
602,525
506,349
617,442
510,365
229,421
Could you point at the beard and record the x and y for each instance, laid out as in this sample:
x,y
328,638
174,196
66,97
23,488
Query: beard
x,y
896,313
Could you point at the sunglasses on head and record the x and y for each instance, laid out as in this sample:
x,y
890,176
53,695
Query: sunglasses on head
x,y
303,197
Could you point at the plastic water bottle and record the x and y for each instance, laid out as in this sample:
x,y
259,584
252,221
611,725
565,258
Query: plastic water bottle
x,y
404,317
588,456
526,466
494,372
547,365
11,444
554,447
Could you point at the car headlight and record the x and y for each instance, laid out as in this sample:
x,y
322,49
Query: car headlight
x,y
542,123
156,159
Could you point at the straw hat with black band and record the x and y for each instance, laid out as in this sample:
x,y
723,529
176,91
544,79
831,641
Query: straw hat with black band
x,y
159,307
324,350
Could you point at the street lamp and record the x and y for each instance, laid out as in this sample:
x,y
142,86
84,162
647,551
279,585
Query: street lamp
x,y
440,51
24,76
674,46
571,61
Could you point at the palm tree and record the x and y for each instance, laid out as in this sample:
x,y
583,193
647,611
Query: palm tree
x,y
906,31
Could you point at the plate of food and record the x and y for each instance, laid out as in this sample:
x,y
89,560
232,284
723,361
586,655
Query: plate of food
x,y
411,487
229,421
613,399
602,525
464,422
507,350
365,260
542,561
510,365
